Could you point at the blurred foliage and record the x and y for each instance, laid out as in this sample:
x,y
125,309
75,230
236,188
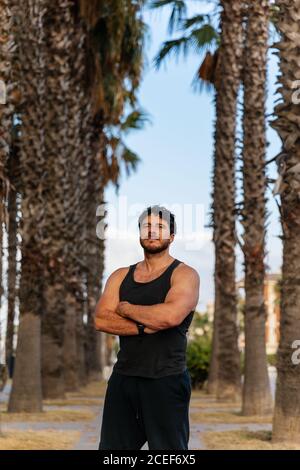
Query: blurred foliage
x,y
198,358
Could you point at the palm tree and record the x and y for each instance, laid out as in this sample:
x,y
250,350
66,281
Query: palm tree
x,y
13,206
7,46
256,390
26,394
286,424
12,170
82,153
230,55
59,27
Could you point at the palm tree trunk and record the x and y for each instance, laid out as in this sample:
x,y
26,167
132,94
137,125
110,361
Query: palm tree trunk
x,y
13,171
7,47
224,198
78,108
212,384
286,425
59,145
95,271
256,389
26,393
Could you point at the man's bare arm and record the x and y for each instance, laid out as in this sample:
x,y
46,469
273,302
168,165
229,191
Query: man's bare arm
x,y
105,317
182,297
111,322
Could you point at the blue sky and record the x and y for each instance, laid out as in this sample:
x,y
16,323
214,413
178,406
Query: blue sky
x,y
176,168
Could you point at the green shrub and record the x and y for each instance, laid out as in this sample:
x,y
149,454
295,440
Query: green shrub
x,y
272,360
198,358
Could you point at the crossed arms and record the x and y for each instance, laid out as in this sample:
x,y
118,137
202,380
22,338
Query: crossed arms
x,y
120,318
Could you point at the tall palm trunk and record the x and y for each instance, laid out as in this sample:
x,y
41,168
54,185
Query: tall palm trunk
x,y
78,107
7,46
13,172
82,326
212,383
224,198
26,393
256,390
286,425
95,269
59,145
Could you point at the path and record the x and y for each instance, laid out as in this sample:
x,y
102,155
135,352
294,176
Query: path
x,y
90,430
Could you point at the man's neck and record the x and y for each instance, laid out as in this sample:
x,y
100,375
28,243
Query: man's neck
x,y
156,261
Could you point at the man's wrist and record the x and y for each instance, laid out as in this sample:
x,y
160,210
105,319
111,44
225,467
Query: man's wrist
x,y
140,328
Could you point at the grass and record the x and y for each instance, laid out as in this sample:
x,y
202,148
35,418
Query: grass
x,y
50,439
214,404
95,389
38,440
74,402
227,417
243,440
55,416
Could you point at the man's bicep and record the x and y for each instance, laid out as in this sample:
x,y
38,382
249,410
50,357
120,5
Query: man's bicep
x,y
109,298
183,295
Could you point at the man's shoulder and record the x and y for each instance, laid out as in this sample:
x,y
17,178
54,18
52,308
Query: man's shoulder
x,y
184,269
120,272
117,276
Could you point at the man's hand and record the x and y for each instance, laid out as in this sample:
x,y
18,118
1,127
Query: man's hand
x,y
122,308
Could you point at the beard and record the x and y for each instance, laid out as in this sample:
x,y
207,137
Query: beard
x,y
158,247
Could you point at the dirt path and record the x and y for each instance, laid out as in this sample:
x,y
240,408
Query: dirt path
x,y
89,430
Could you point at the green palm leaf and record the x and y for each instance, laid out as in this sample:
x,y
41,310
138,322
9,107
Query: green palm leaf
x,y
179,10
174,46
135,120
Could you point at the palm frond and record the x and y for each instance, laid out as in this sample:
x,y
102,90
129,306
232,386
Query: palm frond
x,y
130,159
136,120
179,11
204,37
175,46
187,23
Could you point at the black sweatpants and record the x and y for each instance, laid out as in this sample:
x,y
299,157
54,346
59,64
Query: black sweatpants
x,y
139,409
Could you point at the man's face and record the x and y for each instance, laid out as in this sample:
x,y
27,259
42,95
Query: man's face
x,y
155,234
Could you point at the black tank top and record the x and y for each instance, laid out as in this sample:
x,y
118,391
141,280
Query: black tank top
x,y
158,354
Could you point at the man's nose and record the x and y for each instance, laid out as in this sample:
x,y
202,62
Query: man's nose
x,y
153,235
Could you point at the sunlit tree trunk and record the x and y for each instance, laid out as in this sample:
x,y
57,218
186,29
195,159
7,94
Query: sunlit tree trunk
x,y
13,207
256,390
59,29
231,48
286,425
26,393
7,47
212,384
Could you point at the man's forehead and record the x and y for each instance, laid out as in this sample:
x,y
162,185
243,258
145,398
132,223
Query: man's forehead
x,y
154,218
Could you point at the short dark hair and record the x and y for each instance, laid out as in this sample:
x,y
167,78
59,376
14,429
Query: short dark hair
x,y
163,213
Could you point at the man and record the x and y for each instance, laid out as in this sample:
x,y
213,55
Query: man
x,y
150,305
